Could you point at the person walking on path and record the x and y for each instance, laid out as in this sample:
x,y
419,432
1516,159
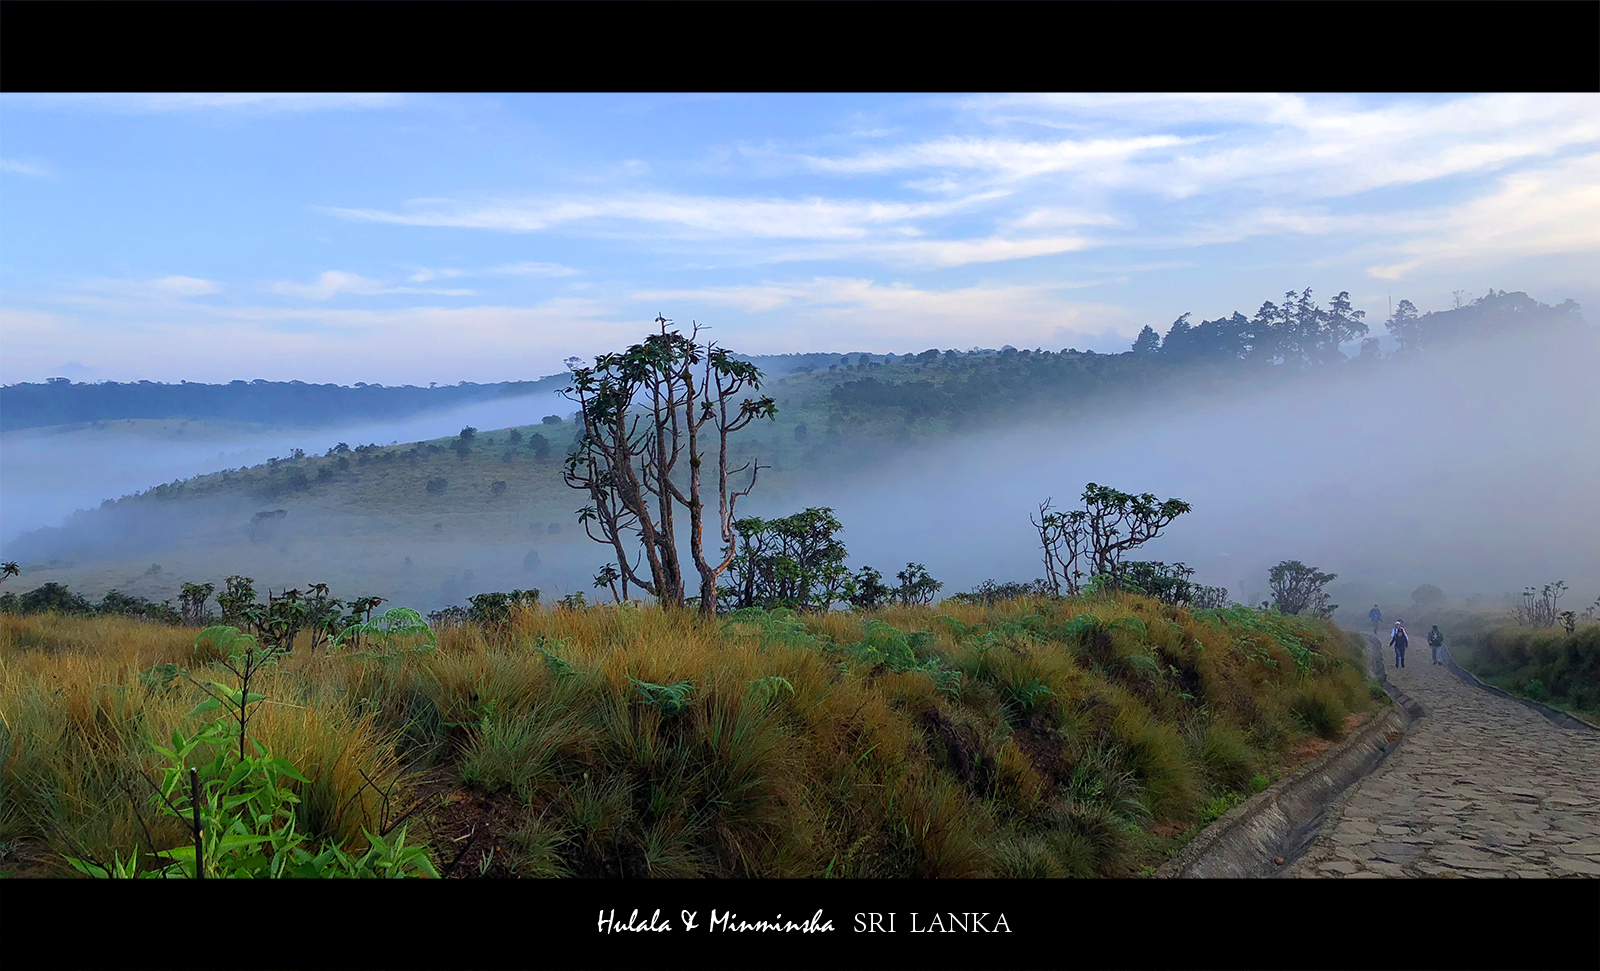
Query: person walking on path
x,y
1436,641
1397,640
1376,616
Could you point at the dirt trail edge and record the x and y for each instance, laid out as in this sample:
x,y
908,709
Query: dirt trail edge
x,y
1484,786
1265,834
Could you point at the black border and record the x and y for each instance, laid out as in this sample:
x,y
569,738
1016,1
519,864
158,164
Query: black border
x,y
1314,45
786,45
1225,924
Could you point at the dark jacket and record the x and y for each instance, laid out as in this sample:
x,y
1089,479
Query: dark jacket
x,y
1399,639
1435,637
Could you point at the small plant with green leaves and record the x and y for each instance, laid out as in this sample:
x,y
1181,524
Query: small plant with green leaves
x,y
559,667
669,699
233,800
384,633
770,687
1031,693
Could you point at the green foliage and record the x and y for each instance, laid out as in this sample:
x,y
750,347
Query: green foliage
x,y
560,668
1093,540
866,590
988,593
1320,710
1047,739
771,687
1297,587
383,634
780,627
916,586
1545,664
233,800
669,699
494,609
794,562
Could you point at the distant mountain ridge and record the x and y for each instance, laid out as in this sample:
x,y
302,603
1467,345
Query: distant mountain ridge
x,y
59,401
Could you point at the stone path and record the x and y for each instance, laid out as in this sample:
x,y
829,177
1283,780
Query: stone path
x,y
1481,787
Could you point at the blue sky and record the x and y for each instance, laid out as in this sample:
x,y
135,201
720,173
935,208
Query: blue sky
x,y
416,238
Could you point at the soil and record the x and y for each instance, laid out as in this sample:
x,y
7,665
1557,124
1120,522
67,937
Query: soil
x,y
1314,747
466,825
1043,751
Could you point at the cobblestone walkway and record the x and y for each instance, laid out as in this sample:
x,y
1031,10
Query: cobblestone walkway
x,y
1481,787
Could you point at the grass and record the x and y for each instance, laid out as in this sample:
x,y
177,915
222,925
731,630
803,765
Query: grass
x,y
632,742
1543,664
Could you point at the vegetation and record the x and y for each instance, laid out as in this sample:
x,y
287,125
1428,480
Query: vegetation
x,y
626,457
61,402
56,597
1055,737
1297,587
1549,664
1110,525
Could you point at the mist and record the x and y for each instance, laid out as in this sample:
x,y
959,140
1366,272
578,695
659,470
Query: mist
x,y
49,473
1474,469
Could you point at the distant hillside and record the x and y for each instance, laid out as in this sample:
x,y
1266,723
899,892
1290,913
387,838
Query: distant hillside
x,y
949,385
59,401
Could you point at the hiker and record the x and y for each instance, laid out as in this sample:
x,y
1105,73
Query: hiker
x,y
1397,640
1436,641
1376,616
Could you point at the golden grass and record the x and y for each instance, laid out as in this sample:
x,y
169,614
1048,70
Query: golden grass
x,y
1059,750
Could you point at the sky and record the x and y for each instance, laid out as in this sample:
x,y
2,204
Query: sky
x,y
409,238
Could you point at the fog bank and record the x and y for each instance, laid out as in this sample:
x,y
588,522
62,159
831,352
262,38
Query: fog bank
x,y
1474,469
46,474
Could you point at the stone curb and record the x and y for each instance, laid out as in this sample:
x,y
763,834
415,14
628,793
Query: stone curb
x,y
1284,820
1561,718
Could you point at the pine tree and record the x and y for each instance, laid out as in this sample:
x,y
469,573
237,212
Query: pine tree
x,y
1147,341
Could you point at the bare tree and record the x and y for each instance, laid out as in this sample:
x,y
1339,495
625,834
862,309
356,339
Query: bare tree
x,y
641,410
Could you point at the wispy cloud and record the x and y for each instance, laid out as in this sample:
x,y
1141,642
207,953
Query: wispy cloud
x,y
1541,212
112,294
688,215
331,283
34,167
937,253
535,269
186,286
1004,159
863,313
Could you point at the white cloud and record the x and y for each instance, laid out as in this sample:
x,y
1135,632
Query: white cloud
x,y
1005,159
334,282
535,269
1315,147
423,274
939,253
395,345
1541,212
837,312
186,286
33,167
115,294
689,216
